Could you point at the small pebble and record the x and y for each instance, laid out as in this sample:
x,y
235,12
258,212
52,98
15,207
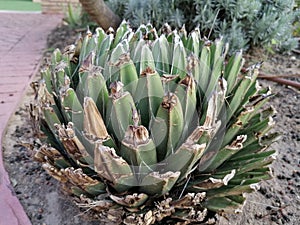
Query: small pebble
x,y
39,216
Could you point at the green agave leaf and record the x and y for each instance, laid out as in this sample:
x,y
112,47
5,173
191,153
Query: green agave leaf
x,y
216,52
224,204
59,77
211,182
225,153
241,90
73,108
103,53
133,201
167,126
50,117
151,32
183,35
229,190
117,57
95,87
232,69
193,42
161,55
258,130
148,95
72,144
88,45
119,111
96,189
258,161
121,33
51,155
251,157
56,57
137,149
113,168
216,73
158,184
93,123
146,60
179,59
186,92
169,33
136,54
251,177
100,35
183,160
204,77
238,96
128,75
118,51
46,76
249,115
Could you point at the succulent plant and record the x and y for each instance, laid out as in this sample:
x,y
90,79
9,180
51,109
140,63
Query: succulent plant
x,y
147,126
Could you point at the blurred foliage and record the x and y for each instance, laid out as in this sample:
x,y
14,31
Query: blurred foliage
x,y
297,22
76,17
242,23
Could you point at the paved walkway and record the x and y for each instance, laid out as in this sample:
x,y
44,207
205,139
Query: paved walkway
x,y
22,41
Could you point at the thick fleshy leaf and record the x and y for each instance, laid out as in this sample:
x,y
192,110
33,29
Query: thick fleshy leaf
x,y
158,184
186,92
179,59
88,45
166,127
73,108
93,123
133,201
72,144
148,95
128,74
223,204
103,53
121,33
232,70
137,149
119,112
113,168
183,160
95,88
203,78
226,152
50,117
161,55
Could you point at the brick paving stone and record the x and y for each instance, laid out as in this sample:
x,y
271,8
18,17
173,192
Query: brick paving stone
x,y
22,42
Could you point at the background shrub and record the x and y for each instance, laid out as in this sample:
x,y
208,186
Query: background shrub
x,y
242,23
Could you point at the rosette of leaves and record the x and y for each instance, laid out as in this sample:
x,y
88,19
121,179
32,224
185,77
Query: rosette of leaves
x,y
146,126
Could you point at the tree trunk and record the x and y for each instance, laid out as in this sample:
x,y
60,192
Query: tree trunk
x,y
101,13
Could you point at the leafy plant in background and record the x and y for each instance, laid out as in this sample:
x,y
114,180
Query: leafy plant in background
x,y
75,17
243,23
147,127
296,31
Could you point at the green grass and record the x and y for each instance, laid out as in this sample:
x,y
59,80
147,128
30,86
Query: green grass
x,y
19,5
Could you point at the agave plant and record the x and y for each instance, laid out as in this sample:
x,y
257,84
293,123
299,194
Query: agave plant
x,y
147,126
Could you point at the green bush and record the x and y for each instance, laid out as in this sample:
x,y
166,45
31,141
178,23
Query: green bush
x,y
242,23
76,17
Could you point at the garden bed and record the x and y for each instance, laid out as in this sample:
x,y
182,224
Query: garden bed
x,y
277,201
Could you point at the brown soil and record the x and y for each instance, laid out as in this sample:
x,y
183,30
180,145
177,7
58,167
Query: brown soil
x,y
277,201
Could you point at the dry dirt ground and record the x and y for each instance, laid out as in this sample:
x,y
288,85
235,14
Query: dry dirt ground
x,y
277,201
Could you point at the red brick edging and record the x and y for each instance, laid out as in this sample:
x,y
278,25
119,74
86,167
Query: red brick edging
x,y
22,42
